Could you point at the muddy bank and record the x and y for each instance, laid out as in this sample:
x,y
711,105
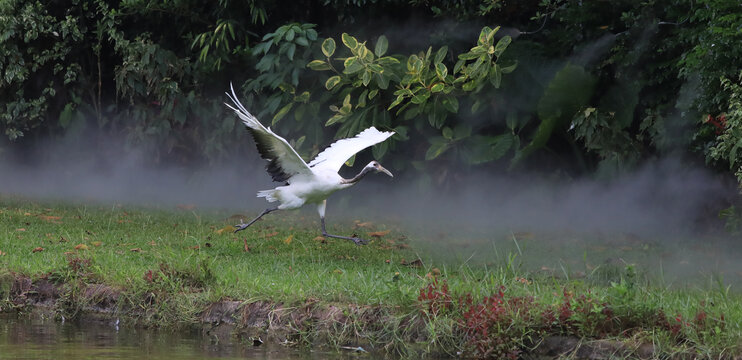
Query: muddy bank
x,y
312,324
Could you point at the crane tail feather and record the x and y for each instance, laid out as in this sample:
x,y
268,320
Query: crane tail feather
x,y
269,195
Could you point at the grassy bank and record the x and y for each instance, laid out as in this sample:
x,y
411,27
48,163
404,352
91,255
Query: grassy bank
x,y
183,265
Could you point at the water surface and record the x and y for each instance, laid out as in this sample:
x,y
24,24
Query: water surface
x,y
37,336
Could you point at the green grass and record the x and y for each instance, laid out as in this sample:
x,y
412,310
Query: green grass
x,y
182,258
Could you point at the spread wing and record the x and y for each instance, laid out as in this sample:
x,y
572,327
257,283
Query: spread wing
x,y
335,155
284,162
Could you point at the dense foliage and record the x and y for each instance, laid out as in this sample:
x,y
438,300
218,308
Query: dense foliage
x,y
581,86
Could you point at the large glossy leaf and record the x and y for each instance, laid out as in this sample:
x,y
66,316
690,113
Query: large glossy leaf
x,y
381,46
328,47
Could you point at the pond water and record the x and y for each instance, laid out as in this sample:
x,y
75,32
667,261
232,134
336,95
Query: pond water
x,y
36,336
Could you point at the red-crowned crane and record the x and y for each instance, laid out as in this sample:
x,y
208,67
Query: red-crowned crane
x,y
307,183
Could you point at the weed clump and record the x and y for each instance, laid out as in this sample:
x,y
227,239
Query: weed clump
x,y
500,325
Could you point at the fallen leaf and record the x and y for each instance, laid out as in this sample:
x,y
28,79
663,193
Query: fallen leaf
x,y
271,234
50,218
194,247
337,271
388,261
38,249
436,271
27,214
523,280
247,249
379,234
287,241
2,253
21,229
414,263
321,239
366,224
81,247
227,229
136,250
152,243
97,243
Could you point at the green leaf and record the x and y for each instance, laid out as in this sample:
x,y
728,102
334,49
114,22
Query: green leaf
x,y
362,98
396,101
511,119
380,149
510,68
448,133
483,34
332,81
335,118
495,76
421,96
289,35
382,81
281,113
318,65
387,60
468,56
351,161
352,65
299,142
438,87
501,145
302,41
349,41
502,45
65,117
469,86
440,55
366,78
451,104
328,47
381,46
290,52
312,34
346,100
303,97
436,150
401,132
441,71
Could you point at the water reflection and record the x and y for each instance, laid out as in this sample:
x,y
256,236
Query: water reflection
x,y
38,337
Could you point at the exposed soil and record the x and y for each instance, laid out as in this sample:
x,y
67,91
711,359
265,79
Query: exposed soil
x,y
309,324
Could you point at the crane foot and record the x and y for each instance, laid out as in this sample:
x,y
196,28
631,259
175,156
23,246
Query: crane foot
x,y
359,241
241,227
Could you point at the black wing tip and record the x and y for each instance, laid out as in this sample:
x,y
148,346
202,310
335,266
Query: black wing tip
x,y
274,167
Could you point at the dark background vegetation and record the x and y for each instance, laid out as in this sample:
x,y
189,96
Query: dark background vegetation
x,y
563,88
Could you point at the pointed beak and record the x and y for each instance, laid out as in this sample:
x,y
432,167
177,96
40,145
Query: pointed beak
x,y
385,171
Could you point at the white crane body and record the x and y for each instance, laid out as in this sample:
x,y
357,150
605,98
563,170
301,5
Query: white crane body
x,y
306,183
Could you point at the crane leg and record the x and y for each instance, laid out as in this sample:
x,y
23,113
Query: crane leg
x,y
356,240
242,226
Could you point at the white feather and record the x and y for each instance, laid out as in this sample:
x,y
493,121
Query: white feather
x,y
280,150
335,155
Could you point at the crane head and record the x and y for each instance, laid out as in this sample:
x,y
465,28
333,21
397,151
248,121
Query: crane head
x,y
374,165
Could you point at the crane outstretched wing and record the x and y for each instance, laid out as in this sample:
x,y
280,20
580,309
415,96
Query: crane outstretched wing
x,y
284,162
335,155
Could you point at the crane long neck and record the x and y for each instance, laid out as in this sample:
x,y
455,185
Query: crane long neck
x,y
358,177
